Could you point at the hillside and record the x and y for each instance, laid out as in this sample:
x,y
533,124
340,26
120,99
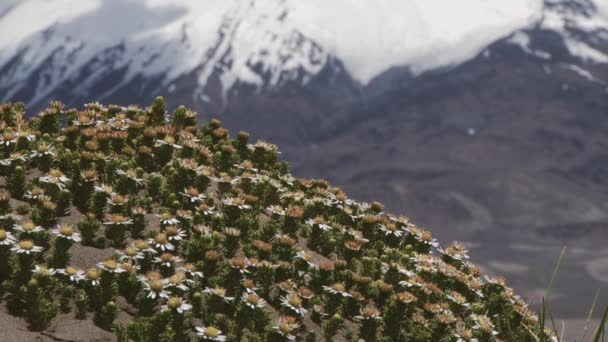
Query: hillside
x,y
163,229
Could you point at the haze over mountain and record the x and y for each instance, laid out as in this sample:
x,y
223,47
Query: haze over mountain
x,y
483,120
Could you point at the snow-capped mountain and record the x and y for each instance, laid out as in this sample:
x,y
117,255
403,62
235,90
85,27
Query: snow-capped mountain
x,y
99,47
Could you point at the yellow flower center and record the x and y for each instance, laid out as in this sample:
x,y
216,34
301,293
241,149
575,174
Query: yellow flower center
x,y
141,244
220,291
43,271
66,230
156,285
130,251
369,311
117,218
192,191
28,226
55,173
295,301
174,302
252,299
166,257
3,235
212,332
339,287
171,231
110,264
161,238
26,245
71,270
92,274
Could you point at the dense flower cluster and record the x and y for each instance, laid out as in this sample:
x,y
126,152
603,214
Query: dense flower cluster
x,y
212,239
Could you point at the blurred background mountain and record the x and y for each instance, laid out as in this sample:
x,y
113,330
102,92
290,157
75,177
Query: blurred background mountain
x,y
484,121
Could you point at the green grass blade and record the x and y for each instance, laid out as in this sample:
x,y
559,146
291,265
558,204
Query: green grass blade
x,y
554,274
545,304
601,327
597,293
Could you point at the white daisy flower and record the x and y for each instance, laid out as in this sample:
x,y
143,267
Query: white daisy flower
x,y
6,238
12,158
66,232
27,135
44,271
253,301
403,270
55,177
241,264
167,260
28,227
293,302
161,241
285,325
131,254
193,195
184,215
391,230
168,141
260,144
10,216
236,202
74,275
210,333
455,251
178,281
117,200
483,324
458,298
190,269
275,210
422,235
155,288
246,165
176,304
85,120
307,257
43,150
119,123
8,138
93,276
26,247
132,175
35,193
219,292
337,288
318,222
144,246
111,266
368,313
105,188
167,219
117,220
207,210
174,234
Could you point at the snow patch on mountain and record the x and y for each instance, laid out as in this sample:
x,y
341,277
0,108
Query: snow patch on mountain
x,y
421,34
263,43
572,19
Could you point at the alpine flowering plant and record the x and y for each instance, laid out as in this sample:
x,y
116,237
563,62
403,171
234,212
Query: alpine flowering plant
x,y
192,235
